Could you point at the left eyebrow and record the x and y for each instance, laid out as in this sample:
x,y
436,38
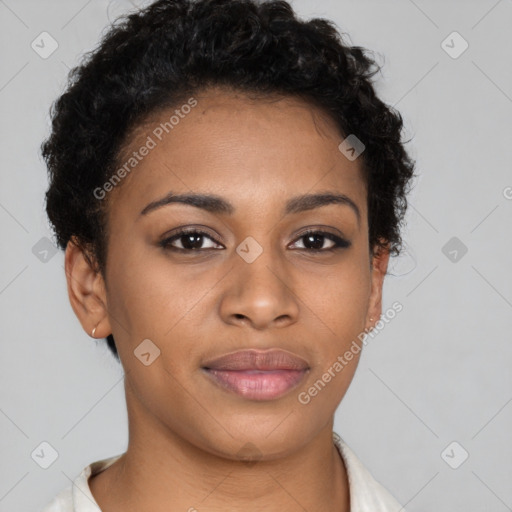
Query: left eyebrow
x,y
216,204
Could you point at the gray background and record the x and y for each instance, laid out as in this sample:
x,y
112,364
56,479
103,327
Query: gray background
x,y
437,373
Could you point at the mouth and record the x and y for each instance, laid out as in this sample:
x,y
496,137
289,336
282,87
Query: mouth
x,y
257,375
257,384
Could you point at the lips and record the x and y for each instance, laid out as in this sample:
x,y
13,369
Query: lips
x,y
253,359
257,375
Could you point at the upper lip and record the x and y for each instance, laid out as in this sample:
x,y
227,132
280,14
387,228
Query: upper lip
x,y
252,359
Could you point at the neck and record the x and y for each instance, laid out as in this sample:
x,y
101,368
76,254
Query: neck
x,y
163,471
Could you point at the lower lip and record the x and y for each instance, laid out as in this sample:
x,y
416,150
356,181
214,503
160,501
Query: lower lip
x,y
257,384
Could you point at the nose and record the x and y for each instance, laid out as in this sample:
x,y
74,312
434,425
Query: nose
x,y
260,294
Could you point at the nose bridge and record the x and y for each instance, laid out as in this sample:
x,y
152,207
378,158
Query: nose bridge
x,y
260,290
259,264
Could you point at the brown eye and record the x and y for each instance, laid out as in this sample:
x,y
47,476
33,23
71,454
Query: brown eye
x,y
314,241
190,240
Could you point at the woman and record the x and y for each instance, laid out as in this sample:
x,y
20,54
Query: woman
x,y
228,190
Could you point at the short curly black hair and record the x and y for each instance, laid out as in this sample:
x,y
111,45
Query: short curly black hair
x,y
154,58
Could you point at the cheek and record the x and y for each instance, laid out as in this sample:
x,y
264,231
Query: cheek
x,y
338,300
339,311
152,299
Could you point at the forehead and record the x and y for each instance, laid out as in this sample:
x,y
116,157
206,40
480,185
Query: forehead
x,y
241,147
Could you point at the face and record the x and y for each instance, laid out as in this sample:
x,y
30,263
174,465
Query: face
x,y
263,271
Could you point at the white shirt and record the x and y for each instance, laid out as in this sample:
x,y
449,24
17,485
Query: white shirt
x,y
366,494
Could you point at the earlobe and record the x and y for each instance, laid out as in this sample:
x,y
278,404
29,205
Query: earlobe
x,y
86,291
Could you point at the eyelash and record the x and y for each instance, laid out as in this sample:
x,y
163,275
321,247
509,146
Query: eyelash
x,y
340,243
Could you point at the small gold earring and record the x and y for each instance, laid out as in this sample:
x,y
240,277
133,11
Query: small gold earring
x,y
93,331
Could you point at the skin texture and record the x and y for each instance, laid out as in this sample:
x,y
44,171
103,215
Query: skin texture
x,y
185,433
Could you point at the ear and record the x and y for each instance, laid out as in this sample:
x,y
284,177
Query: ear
x,y
86,291
378,267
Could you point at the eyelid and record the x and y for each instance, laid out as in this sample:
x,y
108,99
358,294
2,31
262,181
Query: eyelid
x,y
174,235
339,240
321,229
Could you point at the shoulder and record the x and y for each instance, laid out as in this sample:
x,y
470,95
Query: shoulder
x,y
77,497
366,493
63,502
